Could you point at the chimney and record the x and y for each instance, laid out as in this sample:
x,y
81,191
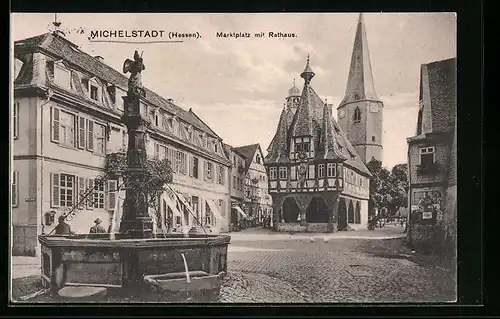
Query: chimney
x,y
99,58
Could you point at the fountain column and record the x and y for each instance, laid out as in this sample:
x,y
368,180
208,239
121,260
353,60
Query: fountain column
x,y
135,220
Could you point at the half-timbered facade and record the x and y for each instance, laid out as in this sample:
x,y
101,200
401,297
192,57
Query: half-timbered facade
x,y
317,181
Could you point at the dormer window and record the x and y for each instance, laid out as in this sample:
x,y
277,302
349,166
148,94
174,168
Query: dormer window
x,y
302,144
62,76
216,147
357,115
94,90
157,118
204,140
175,126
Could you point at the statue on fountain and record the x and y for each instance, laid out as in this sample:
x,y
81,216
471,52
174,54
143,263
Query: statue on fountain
x,y
135,68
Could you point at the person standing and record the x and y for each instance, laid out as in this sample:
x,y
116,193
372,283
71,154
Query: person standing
x,y
97,228
62,228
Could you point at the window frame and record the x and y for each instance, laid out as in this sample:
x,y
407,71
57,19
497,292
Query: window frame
x,y
195,162
66,188
99,194
331,168
15,115
321,170
62,141
61,67
426,151
273,173
357,115
96,138
281,175
15,189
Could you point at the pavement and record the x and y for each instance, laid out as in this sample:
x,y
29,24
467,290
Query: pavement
x,y
356,266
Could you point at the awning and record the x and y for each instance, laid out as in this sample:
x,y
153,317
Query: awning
x,y
171,201
214,209
239,210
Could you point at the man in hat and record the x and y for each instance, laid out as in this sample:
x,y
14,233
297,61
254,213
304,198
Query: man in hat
x,y
62,228
97,228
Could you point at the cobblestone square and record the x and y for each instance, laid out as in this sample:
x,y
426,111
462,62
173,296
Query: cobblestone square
x,y
272,268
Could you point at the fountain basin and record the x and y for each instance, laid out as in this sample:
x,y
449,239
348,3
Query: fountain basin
x,y
177,286
95,260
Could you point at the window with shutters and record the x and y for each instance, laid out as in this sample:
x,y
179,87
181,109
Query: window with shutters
x,y
89,183
100,139
181,162
82,192
331,170
16,120
99,193
90,135
15,188
81,132
112,194
221,172
64,190
321,170
63,127
234,182
194,167
208,170
170,157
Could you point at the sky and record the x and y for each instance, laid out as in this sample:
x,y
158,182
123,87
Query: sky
x,y
238,86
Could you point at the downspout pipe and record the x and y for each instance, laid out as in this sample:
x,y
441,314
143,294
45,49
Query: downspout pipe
x,y
48,93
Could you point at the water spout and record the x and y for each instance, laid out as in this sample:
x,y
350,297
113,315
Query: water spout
x,y
188,279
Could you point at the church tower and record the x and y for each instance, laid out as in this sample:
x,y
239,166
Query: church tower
x,y
360,113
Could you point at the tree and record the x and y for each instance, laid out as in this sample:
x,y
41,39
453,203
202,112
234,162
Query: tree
x,y
388,189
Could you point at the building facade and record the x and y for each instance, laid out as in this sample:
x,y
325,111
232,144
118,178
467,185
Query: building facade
x,y
360,114
317,181
257,203
67,110
432,160
237,183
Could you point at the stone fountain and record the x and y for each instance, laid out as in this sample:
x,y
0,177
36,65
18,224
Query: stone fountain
x,y
122,263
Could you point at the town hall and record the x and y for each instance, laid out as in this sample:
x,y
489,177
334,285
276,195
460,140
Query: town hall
x,y
318,179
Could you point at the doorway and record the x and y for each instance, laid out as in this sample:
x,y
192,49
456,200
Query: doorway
x,y
342,215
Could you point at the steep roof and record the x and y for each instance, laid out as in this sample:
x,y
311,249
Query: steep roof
x,y
278,149
443,91
68,51
329,148
437,109
248,152
360,85
316,117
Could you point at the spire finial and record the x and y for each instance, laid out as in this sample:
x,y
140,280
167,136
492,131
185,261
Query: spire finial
x,y
308,74
360,18
293,81
56,23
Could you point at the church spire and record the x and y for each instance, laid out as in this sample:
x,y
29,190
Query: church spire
x,y
360,84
